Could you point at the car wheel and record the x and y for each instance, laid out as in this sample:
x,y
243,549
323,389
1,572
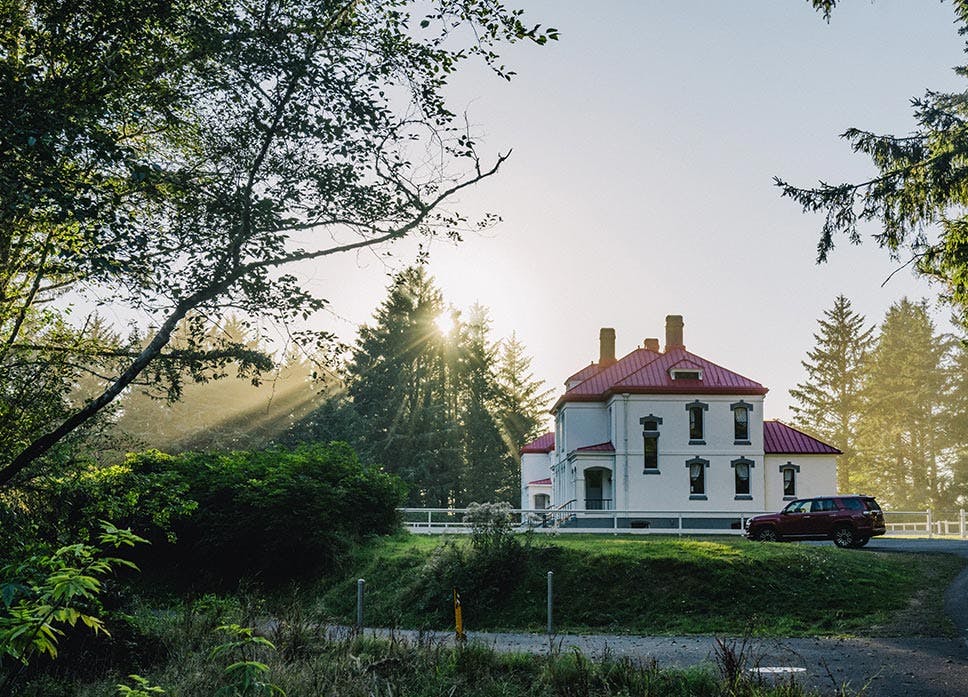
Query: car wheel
x,y
844,536
766,534
861,541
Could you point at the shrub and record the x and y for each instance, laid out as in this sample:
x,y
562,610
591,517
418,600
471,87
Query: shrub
x,y
276,514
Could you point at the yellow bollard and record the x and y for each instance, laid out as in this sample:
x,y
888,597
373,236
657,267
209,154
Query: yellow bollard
x,y
459,617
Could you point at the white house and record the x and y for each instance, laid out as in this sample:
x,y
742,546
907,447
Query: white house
x,y
669,431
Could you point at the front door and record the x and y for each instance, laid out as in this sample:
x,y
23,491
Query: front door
x,y
593,490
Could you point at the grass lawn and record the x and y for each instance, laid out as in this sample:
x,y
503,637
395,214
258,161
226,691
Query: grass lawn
x,y
647,585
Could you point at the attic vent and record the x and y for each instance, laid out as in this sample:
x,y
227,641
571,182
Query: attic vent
x,y
686,375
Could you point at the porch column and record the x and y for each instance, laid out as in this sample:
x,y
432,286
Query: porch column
x,y
580,490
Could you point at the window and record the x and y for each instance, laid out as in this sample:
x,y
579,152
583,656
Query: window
x,y
696,410
789,472
697,477
823,506
741,474
685,375
650,442
651,452
741,422
541,501
798,506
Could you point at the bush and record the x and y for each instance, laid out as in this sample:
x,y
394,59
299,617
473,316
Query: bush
x,y
276,514
218,517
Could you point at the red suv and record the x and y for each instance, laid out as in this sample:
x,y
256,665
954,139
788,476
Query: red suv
x,y
850,521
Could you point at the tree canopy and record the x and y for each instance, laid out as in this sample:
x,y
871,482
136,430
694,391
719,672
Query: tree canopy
x,y
918,194
176,158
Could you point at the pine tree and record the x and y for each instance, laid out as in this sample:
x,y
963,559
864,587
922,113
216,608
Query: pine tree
x,y
400,385
901,439
223,409
522,407
955,422
829,402
486,471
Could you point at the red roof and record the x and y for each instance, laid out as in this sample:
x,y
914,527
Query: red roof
x,y
647,372
606,447
778,438
584,373
540,482
541,444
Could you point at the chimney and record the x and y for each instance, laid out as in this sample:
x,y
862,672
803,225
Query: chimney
x,y
651,345
606,342
674,332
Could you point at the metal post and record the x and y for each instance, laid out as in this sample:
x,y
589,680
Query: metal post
x,y
360,583
430,519
961,524
927,513
680,524
551,575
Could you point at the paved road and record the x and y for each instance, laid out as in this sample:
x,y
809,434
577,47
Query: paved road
x,y
917,667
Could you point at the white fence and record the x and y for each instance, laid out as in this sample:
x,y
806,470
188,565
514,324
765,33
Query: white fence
x,y
564,521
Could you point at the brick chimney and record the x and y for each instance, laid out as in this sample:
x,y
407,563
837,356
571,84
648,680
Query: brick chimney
x,y
674,332
606,343
651,345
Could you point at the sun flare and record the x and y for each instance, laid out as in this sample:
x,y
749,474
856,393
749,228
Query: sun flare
x,y
445,323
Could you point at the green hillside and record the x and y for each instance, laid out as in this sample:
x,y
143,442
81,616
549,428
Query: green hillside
x,y
646,586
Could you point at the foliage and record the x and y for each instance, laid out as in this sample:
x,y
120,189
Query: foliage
x,y
918,193
903,444
830,402
142,688
274,514
47,593
356,666
221,410
402,387
246,677
491,525
150,502
180,157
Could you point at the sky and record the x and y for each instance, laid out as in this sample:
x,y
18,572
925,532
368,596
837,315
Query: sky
x,y
644,144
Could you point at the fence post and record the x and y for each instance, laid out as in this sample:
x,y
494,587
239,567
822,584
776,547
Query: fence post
x,y
551,576
680,523
927,514
360,583
961,524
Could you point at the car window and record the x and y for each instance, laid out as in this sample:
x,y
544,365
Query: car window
x,y
799,506
853,504
816,506
872,505
828,505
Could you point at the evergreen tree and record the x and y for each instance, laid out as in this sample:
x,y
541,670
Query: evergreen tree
x,y
488,471
829,402
522,407
400,387
221,409
902,445
954,422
